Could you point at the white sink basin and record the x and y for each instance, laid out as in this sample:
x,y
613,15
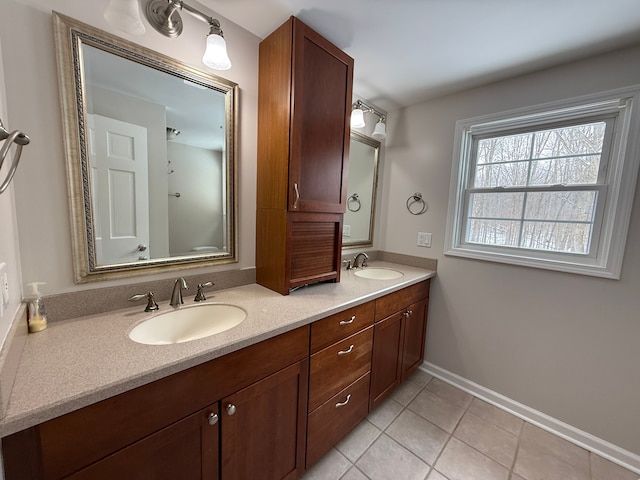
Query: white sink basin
x,y
187,323
379,273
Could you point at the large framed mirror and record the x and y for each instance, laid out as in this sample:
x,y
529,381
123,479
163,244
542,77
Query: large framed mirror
x,y
150,147
362,186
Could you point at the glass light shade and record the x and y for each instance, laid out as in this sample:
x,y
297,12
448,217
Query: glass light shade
x,y
215,56
357,118
380,131
125,16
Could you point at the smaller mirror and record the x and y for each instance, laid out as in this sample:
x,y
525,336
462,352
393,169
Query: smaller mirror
x,y
362,187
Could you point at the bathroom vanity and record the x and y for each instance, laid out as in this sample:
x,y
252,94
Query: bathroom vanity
x,y
266,399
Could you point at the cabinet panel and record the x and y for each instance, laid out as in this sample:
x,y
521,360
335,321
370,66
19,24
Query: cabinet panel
x,y
322,80
415,331
316,240
187,450
336,417
385,363
335,367
263,435
399,300
331,329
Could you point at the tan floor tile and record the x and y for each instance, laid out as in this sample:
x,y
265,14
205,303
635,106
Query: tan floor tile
x,y
385,413
358,440
515,476
420,377
461,462
406,392
603,469
418,435
388,460
498,417
485,437
437,410
330,467
450,393
435,475
354,474
543,456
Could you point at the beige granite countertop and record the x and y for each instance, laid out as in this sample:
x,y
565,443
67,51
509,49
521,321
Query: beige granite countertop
x,y
77,362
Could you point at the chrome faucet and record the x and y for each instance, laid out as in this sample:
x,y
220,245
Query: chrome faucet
x,y
364,262
176,295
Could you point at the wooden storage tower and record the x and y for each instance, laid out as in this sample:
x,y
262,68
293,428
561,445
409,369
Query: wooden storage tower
x,y
305,85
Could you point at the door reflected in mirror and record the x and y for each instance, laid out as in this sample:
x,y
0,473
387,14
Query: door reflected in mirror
x,y
150,153
362,185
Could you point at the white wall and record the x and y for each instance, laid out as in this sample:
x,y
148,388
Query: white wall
x,y
564,344
33,103
9,251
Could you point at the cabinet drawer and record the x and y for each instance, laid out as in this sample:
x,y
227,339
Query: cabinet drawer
x,y
329,330
336,417
399,300
335,367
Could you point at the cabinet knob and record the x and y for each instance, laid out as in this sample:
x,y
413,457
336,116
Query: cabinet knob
x,y
212,418
342,404
344,352
348,322
231,409
408,313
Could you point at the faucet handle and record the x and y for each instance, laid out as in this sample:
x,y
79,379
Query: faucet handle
x,y
347,263
151,302
200,293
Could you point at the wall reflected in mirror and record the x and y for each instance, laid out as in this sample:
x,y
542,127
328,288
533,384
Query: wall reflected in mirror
x,y
152,170
362,184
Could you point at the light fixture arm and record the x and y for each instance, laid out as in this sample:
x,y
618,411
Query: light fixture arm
x,y
164,17
369,109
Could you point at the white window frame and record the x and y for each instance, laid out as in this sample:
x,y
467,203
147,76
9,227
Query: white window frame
x,y
613,211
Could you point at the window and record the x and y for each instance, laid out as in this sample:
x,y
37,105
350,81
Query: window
x,y
549,187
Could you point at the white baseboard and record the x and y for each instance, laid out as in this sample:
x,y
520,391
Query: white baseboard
x,y
620,456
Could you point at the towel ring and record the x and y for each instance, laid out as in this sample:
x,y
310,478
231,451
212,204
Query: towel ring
x,y
416,198
20,139
353,199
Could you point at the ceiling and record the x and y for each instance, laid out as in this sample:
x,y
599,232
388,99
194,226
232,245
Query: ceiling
x,y
407,51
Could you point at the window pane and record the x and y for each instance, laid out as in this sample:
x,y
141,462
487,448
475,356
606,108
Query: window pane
x,y
557,237
576,140
504,149
494,232
496,205
568,171
501,175
561,206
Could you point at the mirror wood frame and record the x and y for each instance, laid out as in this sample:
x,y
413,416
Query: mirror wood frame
x,y
70,35
376,145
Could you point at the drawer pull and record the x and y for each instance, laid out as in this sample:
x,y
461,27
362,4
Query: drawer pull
x,y
344,352
212,418
342,404
348,322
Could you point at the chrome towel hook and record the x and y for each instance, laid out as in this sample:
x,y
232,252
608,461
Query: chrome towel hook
x,y
20,139
416,198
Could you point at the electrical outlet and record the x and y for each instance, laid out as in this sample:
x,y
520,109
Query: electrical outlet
x,y
346,230
424,239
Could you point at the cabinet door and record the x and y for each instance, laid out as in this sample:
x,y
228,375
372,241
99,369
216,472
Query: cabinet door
x,y
187,450
415,329
321,90
385,363
264,427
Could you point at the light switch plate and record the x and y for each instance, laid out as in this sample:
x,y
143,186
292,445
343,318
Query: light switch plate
x,y
424,239
346,230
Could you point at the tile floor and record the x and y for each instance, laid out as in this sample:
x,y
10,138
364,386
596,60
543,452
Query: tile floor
x,y
430,430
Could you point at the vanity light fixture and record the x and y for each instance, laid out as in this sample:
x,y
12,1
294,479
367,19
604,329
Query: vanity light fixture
x,y
357,119
125,16
164,17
